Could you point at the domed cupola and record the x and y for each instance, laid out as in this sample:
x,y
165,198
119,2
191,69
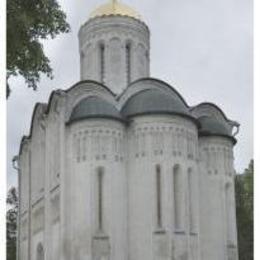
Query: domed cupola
x,y
154,101
114,7
94,107
210,126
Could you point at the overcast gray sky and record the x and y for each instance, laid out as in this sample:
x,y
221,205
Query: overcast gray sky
x,y
201,47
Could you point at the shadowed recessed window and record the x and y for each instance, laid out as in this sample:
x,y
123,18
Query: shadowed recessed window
x,y
102,62
128,62
100,176
158,196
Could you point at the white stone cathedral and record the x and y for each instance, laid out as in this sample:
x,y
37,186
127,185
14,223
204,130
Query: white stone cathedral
x,y
119,166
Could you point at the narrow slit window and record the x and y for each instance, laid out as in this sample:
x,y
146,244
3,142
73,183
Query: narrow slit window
x,y
158,197
102,63
128,62
100,176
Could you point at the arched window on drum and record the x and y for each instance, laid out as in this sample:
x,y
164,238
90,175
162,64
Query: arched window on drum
x,y
102,62
128,53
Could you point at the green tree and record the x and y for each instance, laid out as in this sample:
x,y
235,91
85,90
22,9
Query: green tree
x,y
244,210
28,22
11,223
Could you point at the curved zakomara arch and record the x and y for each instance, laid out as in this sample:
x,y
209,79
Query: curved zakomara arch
x,y
212,105
212,110
85,87
96,85
38,111
144,84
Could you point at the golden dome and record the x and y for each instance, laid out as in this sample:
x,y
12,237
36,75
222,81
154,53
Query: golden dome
x,y
115,8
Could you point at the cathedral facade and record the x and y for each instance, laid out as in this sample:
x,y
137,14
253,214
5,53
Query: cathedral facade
x,y
119,166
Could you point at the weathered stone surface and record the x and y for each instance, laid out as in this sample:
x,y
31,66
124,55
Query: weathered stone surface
x,y
136,186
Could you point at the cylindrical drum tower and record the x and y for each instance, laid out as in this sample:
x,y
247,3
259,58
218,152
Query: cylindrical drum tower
x,y
114,47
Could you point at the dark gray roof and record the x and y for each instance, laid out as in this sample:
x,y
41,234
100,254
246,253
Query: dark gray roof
x,y
94,107
154,101
211,126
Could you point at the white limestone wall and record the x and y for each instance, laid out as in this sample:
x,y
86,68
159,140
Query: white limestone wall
x,y
92,144
217,199
24,223
166,141
24,180
60,210
22,250
39,164
37,228
52,239
54,151
114,50
23,238
54,222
